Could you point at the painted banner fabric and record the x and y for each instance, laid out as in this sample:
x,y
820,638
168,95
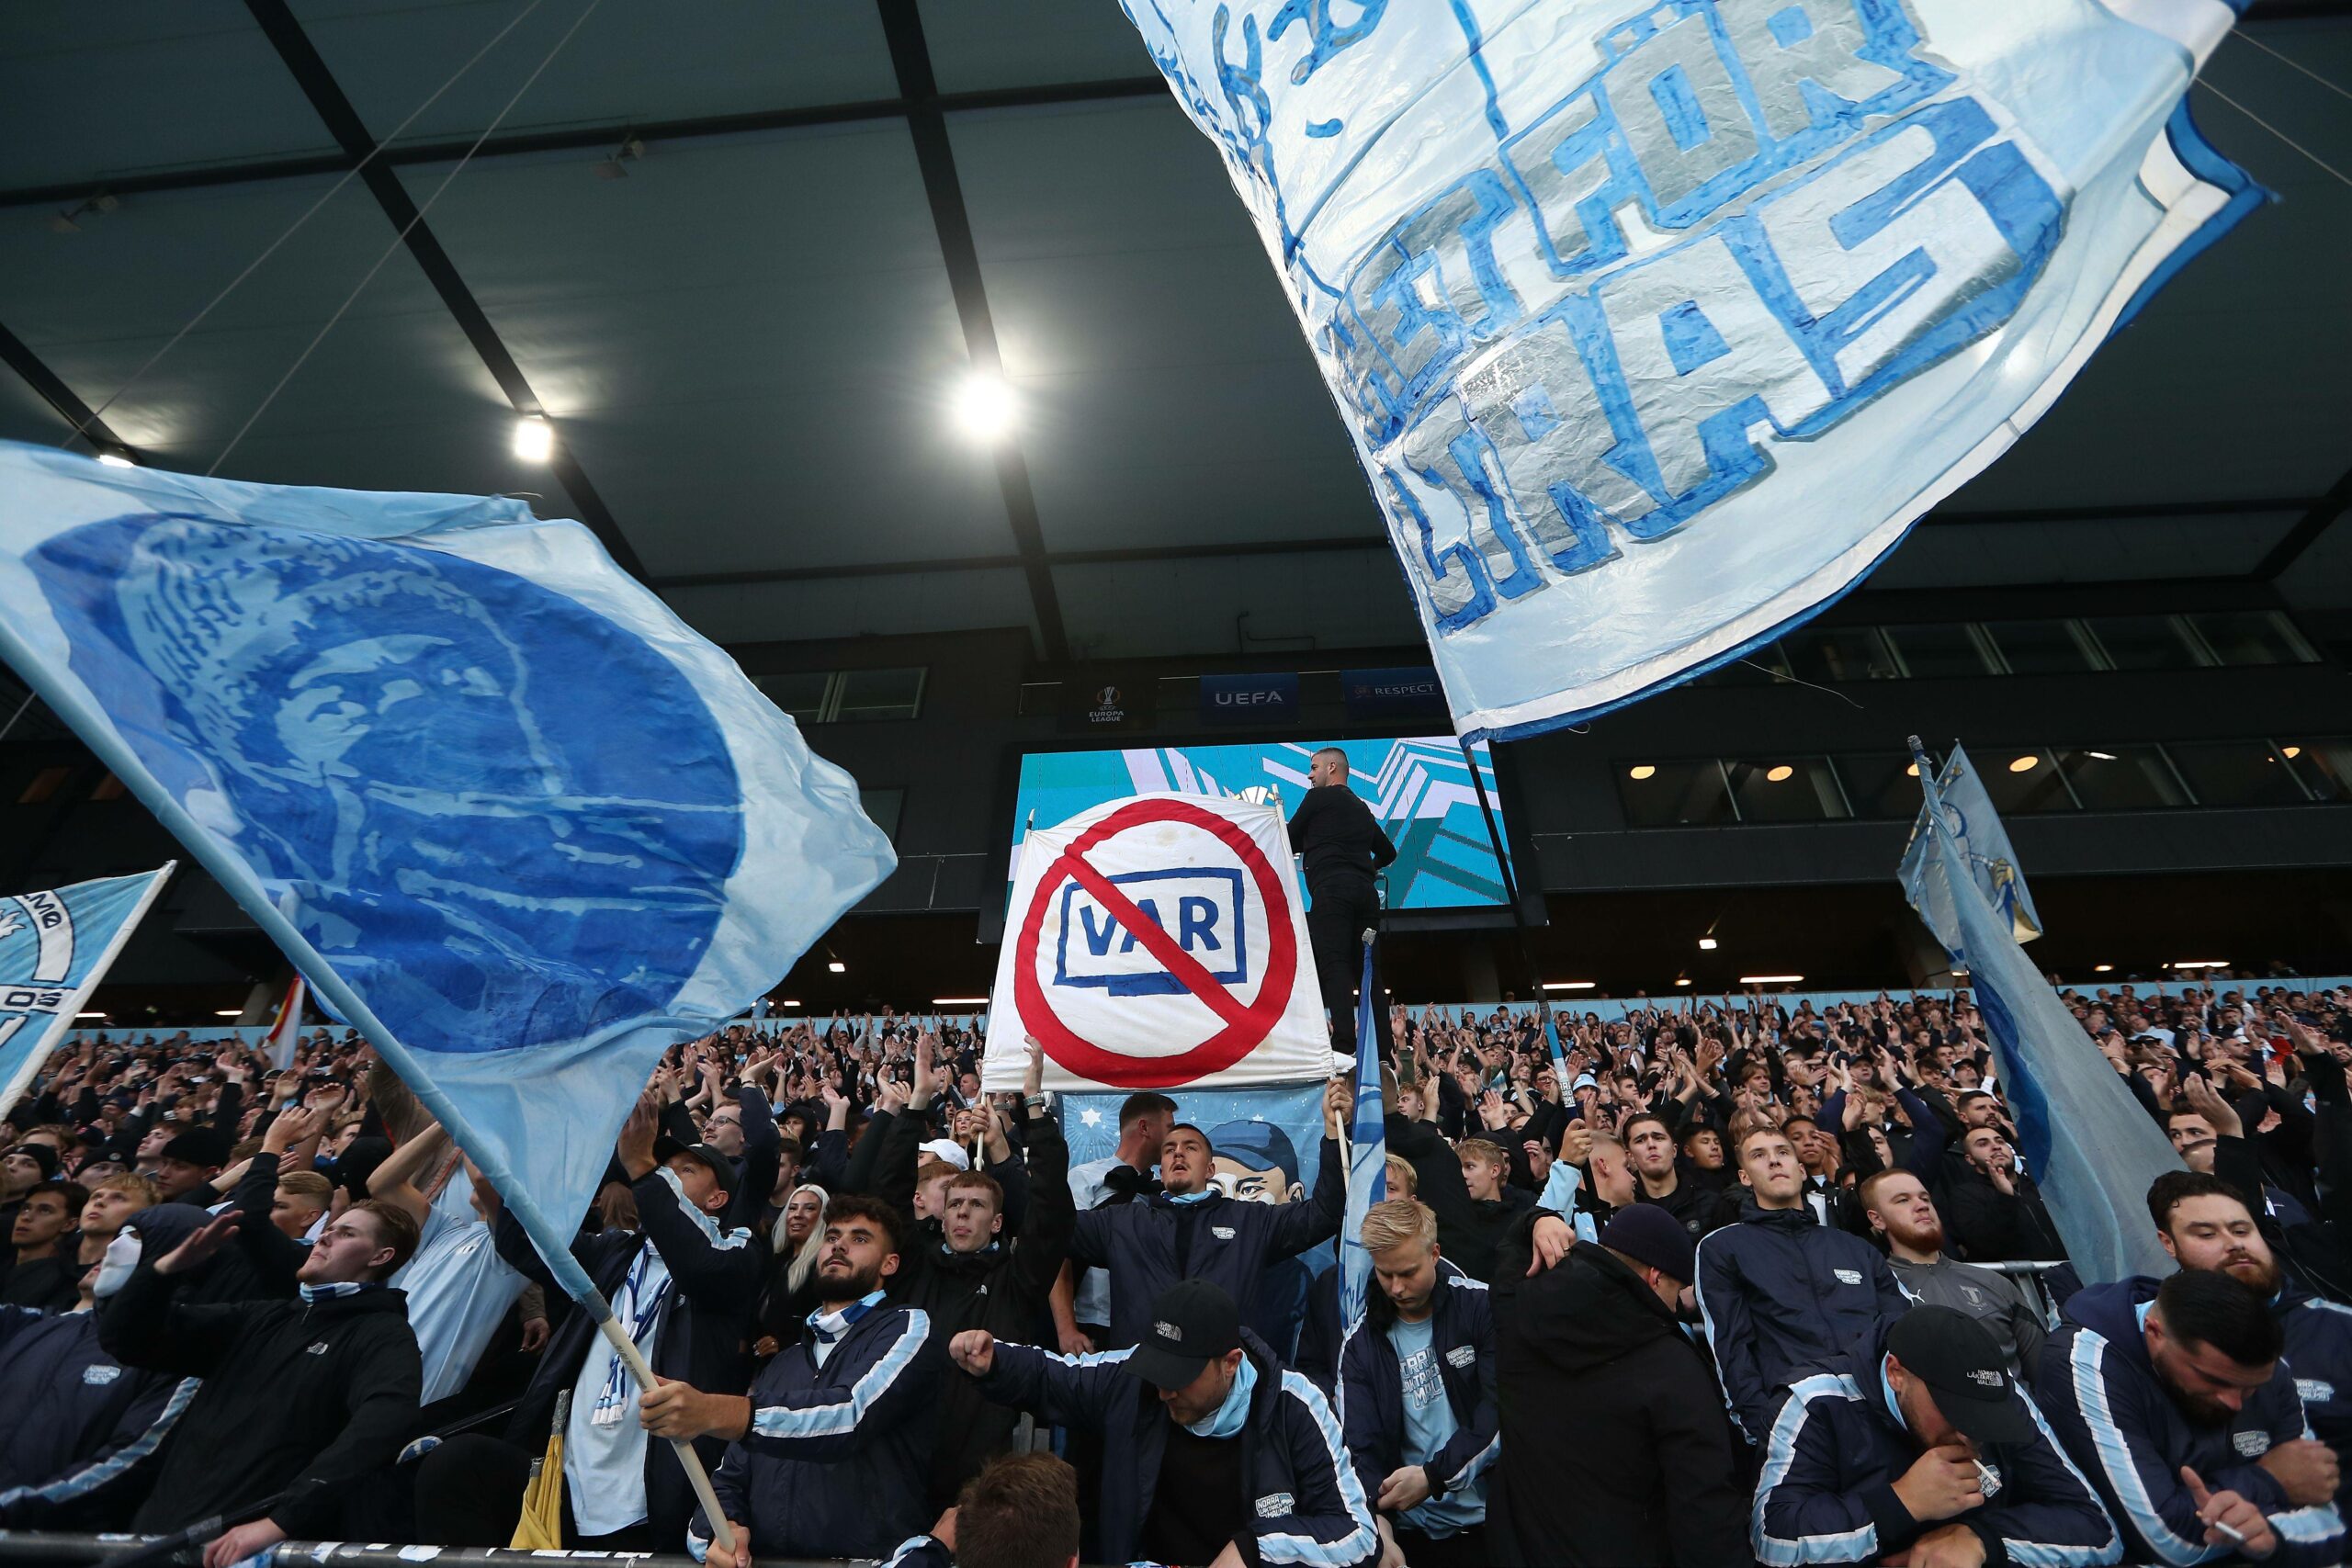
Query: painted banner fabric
x,y
1158,941
1984,845
55,947
2085,1140
1657,324
504,811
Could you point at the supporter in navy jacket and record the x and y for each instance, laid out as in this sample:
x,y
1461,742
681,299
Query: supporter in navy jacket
x,y
1437,1504
1191,1231
2148,1386
78,1419
1917,1436
1779,1291
830,1453
1205,1449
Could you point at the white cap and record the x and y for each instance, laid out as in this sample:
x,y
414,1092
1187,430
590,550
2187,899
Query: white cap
x,y
949,1150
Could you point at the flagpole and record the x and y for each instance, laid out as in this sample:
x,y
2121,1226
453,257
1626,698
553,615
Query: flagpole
x,y
236,879
71,1006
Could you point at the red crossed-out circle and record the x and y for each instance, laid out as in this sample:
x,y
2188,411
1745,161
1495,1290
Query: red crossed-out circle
x,y
1245,1024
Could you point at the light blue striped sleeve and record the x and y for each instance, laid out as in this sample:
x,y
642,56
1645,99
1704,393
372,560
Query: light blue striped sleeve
x,y
829,1420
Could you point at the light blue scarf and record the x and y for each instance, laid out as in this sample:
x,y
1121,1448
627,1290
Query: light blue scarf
x,y
1234,1411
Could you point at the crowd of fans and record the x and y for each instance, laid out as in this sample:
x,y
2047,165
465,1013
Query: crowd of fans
x,y
1723,1280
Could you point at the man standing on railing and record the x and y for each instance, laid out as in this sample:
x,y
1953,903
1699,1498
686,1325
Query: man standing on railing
x,y
1335,833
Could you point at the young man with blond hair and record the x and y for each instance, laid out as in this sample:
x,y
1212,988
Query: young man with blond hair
x,y
1417,1381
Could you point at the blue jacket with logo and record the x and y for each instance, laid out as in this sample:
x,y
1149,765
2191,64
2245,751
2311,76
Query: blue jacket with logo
x,y
1371,1389
2319,1352
1780,1291
2123,1427
1826,1493
837,1457
1308,1506
78,1419
1145,1245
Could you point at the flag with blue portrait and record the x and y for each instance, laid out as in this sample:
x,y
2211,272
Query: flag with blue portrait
x,y
501,808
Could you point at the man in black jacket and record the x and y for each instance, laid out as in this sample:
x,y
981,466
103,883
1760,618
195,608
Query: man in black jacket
x,y
685,1289
1214,1453
299,1397
1615,1450
1343,845
1994,1209
1192,1231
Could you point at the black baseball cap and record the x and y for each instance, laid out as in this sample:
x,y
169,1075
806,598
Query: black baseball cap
x,y
1192,1323
1960,1363
666,1149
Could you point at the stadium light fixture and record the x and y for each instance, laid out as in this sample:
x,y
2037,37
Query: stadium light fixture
x,y
1706,944
984,407
2025,764
1570,985
229,1012
787,1002
1911,770
1641,771
837,966
2198,964
2291,753
1770,979
2102,756
1683,980
2102,968
533,439
1779,774
115,461
89,1015
959,1001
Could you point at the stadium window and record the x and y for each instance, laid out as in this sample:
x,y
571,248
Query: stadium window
x,y
1786,789
801,693
882,807
109,788
2252,637
2023,778
2042,647
1938,649
1674,795
867,695
2237,772
2325,766
2121,778
2149,642
43,785
1880,784
1839,653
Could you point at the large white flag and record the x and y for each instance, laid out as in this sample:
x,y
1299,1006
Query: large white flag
x,y
1657,324
1154,943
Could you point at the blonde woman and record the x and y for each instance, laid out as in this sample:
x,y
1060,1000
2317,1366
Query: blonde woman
x,y
792,1289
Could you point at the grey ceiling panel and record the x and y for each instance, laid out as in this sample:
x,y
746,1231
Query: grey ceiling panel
x,y
749,344
1266,603
626,63
976,45
795,612
1983,555
134,85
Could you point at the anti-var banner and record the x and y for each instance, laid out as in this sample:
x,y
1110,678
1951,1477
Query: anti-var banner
x,y
1156,943
1657,324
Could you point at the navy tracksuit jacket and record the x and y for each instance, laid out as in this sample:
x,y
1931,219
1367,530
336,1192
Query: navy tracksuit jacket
x,y
1372,1388
2123,1429
78,1420
1826,1493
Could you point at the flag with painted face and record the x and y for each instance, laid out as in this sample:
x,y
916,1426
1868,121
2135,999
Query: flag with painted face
x,y
503,811
1984,844
1657,324
55,946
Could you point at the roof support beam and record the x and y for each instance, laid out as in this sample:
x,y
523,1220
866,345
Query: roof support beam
x,y
343,122
2318,520
927,123
63,398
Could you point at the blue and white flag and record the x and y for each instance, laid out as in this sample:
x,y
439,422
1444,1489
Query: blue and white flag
x,y
2089,1144
1657,324
503,810
54,949
1367,1154
1985,846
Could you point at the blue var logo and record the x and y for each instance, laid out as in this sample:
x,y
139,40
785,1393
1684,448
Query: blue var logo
x,y
1200,907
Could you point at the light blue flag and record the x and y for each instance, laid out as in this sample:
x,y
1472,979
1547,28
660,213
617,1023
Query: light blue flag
x,y
1657,324
2088,1142
505,813
54,949
1367,1154
1984,847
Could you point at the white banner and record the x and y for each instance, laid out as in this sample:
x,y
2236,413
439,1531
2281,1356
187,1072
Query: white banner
x,y
1156,943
